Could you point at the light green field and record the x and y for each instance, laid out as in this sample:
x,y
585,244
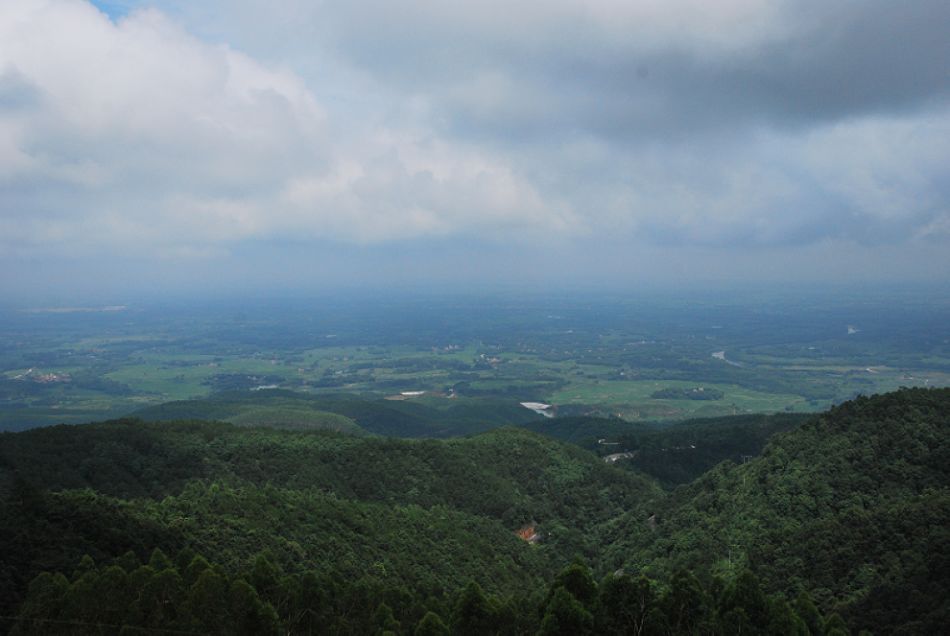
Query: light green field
x,y
595,371
294,419
631,399
172,383
156,376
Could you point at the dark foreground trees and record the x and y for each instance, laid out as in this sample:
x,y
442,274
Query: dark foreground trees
x,y
191,595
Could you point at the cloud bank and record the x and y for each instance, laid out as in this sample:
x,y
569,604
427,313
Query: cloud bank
x,y
179,131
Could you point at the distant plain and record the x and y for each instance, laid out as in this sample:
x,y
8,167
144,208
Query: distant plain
x,y
658,356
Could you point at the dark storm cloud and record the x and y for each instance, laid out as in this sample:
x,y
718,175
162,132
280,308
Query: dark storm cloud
x,y
874,57
566,72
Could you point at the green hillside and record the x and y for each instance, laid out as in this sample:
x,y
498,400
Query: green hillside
x,y
267,530
853,506
418,417
429,515
673,453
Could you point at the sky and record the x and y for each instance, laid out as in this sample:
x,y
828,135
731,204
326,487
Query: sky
x,y
229,147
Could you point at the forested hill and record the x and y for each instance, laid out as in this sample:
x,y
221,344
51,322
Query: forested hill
x,y
854,506
508,473
385,514
418,417
672,453
211,527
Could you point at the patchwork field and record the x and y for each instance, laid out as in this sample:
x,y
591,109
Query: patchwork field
x,y
649,358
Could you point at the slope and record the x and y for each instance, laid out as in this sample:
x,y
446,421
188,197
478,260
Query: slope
x,y
435,417
673,453
425,514
854,506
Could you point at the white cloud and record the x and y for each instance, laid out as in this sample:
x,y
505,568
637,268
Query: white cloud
x,y
153,137
406,187
131,114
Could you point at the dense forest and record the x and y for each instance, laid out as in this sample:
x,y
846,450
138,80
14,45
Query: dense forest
x,y
853,505
671,453
840,523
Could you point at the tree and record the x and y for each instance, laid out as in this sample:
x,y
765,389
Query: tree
x,y
160,598
431,625
805,608
159,560
197,565
264,577
46,599
746,594
835,626
565,616
474,612
308,610
687,604
249,615
623,604
782,619
86,565
208,602
577,580
384,620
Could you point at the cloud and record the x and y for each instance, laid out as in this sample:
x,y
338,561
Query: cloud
x,y
133,134
409,187
174,129
748,122
636,69
129,116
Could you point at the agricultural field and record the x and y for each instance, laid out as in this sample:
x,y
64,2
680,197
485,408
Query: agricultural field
x,y
648,357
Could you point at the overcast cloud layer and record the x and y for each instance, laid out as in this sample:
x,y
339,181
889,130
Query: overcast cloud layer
x,y
589,140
